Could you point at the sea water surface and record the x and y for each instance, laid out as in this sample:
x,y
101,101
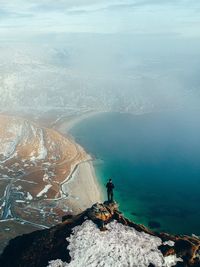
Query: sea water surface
x,y
154,161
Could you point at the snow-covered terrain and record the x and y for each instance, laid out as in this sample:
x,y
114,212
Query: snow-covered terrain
x,y
119,246
34,163
23,140
16,134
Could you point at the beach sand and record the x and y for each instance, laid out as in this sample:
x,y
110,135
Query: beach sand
x,y
82,188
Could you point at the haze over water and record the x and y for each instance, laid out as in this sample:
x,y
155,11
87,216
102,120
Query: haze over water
x,y
154,160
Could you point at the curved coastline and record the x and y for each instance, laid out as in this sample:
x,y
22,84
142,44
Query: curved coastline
x,y
144,198
82,187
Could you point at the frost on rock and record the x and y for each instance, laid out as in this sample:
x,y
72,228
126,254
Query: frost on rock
x,y
169,243
119,246
57,263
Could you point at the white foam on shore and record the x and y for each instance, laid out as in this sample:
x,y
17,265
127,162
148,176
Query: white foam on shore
x,y
119,246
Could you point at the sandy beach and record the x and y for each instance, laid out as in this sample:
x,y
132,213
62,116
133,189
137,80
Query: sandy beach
x,y
82,188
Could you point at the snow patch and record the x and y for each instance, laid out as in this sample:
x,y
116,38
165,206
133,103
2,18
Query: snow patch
x,y
45,177
7,144
42,152
29,196
57,263
119,246
169,243
45,190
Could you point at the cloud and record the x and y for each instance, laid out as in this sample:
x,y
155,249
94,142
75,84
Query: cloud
x,y
114,16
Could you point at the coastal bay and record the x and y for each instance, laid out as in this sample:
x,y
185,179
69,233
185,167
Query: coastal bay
x,y
154,163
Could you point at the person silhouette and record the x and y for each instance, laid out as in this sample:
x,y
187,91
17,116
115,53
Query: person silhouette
x,y
110,186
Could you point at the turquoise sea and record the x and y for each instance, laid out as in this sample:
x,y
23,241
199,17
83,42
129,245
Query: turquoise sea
x,y
154,161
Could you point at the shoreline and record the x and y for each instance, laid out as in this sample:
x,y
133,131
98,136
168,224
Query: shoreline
x,y
65,124
81,188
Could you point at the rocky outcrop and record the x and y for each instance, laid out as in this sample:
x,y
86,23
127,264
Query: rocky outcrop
x,y
38,248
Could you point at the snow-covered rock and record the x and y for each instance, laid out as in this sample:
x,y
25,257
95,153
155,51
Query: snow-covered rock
x,y
117,247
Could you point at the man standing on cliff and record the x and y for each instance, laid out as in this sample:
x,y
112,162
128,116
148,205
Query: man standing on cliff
x,y
110,186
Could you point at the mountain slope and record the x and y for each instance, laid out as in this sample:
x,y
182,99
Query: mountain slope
x,y
35,163
79,242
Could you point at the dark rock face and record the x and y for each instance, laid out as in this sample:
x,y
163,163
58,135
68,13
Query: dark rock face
x,y
40,247
37,248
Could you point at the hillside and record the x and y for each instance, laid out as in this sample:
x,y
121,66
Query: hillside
x,y
35,162
101,236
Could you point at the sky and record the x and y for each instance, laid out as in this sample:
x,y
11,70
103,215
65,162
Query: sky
x,y
146,17
150,48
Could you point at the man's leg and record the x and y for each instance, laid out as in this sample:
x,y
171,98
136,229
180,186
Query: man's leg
x,y
111,193
108,196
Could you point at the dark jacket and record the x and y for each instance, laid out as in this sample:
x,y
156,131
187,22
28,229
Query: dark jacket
x,y
110,186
